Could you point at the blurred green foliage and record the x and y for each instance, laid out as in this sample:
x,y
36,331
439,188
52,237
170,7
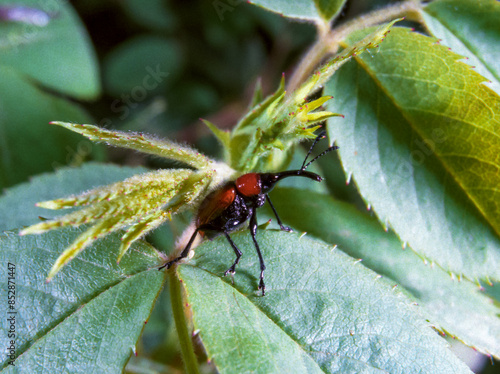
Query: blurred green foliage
x,y
211,61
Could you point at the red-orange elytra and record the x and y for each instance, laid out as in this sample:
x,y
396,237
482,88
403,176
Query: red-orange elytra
x,y
249,184
215,203
226,209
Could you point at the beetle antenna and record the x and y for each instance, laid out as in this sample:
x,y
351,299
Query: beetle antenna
x,y
332,148
318,138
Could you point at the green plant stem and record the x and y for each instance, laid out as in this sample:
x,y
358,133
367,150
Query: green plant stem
x,y
181,324
328,43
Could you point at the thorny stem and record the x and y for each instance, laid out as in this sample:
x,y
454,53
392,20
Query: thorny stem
x,y
328,43
181,324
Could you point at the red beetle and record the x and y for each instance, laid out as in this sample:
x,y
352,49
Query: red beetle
x,y
229,207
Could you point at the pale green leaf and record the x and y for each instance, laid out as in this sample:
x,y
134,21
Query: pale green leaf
x,y
244,124
140,142
58,54
258,94
142,202
224,137
323,312
17,205
420,138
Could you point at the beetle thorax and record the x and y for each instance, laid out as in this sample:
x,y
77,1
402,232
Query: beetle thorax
x,y
249,185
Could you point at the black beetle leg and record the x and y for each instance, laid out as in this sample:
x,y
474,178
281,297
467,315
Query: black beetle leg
x,y
236,251
284,228
253,230
184,253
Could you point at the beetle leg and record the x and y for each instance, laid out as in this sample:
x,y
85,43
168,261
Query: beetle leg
x,y
253,230
236,251
284,228
184,253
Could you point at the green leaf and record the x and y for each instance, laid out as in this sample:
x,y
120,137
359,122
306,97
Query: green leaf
x,y
156,15
459,308
141,67
258,94
140,142
140,203
329,9
469,28
59,54
311,10
17,205
87,319
224,137
28,144
420,139
494,292
322,312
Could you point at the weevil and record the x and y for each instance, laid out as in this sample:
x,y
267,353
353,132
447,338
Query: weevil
x,y
229,207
